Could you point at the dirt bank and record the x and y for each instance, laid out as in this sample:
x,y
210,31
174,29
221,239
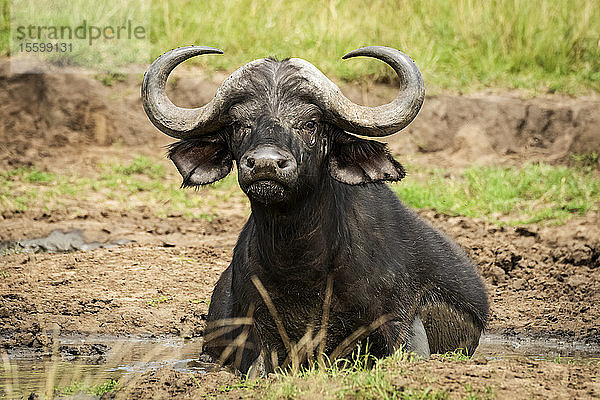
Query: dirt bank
x,y
47,116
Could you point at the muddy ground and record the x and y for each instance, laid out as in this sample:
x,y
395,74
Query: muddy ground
x,y
543,280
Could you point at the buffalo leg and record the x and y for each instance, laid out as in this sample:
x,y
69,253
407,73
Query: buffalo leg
x,y
449,328
229,338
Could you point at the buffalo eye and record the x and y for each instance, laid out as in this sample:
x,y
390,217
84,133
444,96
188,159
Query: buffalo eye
x,y
310,126
309,132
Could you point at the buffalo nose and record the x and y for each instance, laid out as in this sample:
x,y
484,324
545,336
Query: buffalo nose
x,y
268,158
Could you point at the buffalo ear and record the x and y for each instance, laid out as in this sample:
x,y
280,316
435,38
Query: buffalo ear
x,y
354,161
201,160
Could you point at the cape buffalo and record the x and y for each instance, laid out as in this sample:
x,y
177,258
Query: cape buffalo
x,y
329,256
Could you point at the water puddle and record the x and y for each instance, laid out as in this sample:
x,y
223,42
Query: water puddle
x,y
57,241
92,361
498,347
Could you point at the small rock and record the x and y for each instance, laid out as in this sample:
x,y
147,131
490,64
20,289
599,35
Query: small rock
x,y
526,231
496,274
162,229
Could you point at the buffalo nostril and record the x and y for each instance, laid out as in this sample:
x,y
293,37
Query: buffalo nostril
x,y
250,162
282,163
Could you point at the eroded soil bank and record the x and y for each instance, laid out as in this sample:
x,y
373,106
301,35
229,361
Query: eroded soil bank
x,y
43,117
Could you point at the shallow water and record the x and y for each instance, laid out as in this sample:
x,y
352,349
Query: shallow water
x,y
25,370
76,360
500,347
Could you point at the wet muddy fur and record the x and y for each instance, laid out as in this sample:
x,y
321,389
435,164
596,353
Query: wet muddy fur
x,y
396,267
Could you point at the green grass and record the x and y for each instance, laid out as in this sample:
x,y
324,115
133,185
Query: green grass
x,y
155,302
502,195
461,45
110,385
4,27
505,195
109,78
457,355
89,50
139,183
139,166
458,44
361,376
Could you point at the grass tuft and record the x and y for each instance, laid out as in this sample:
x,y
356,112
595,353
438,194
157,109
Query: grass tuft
x,y
457,355
141,165
159,300
109,78
586,161
110,385
359,376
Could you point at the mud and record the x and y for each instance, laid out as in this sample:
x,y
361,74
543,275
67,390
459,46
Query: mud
x,y
502,129
543,280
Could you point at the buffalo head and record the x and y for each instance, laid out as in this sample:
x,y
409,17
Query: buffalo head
x,y
284,123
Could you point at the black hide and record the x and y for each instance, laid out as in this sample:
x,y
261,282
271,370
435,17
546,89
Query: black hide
x,y
329,256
